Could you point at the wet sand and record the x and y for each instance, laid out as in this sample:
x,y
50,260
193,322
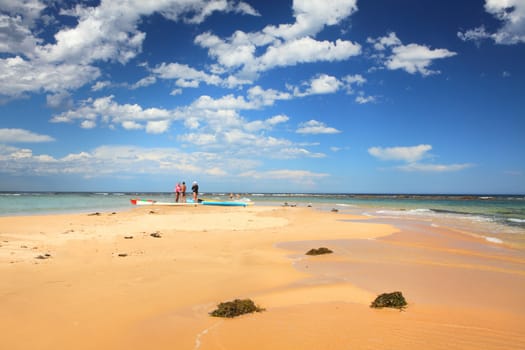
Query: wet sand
x,y
99,288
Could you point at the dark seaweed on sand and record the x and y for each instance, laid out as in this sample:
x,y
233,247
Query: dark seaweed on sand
x,y
235,308
394,300
319,251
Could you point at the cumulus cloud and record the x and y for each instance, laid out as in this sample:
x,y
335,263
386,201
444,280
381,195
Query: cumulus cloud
x,y
412,156
111,160
22,136
157,126
511,14
19,76
362,99
184,75
203,9
327,84
311,17
285,174
60,100
316,127
286,44
412,58
100,85
147,81
407,154
434,167
304,50
256,98
106,32
106,110
16,37
321,84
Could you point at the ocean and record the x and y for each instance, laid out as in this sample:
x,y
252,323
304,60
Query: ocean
x,y
497,218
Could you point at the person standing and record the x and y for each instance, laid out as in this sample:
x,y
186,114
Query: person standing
x,y
177,192
183,192
195,190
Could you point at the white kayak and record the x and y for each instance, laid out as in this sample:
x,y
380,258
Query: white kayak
x,y
137,201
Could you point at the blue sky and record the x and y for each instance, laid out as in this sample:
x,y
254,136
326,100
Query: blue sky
x,y
348,96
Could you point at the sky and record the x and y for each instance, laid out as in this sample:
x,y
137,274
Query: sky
x,y
334,96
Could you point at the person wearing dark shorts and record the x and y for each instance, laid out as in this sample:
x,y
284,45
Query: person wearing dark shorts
x,y
195,190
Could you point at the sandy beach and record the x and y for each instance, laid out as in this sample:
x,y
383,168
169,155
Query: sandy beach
x,y
148,278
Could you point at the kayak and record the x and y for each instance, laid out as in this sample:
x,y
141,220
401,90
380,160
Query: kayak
x,y
225,203
138,201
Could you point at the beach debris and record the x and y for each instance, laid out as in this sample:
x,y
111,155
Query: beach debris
x,y
152,212
235,308
334,210
319,251
123,255
128,237
156,234
94,214
394,300
42,257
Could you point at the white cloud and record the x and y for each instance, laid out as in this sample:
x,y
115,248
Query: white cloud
x,y
304,177
176,92
61,99
321,84
286,44
256,98
204,9
434,167
114,160
19,76
412,58
311,16
267,124
88,124
406,154
305,50
157,126
315,127
107,32
277,119
99,85
382,43
147,81
511,14
199,139
476,34
22,136
16,36
110,112
415,58
131,125
412,156
185,75
356,79
362,99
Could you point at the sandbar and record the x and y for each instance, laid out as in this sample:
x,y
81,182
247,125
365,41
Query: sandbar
x,y
148,278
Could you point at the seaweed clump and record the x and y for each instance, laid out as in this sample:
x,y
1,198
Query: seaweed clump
x,y
235,308
394,300
319,251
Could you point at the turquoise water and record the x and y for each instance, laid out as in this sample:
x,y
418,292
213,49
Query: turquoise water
x,y
494,217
